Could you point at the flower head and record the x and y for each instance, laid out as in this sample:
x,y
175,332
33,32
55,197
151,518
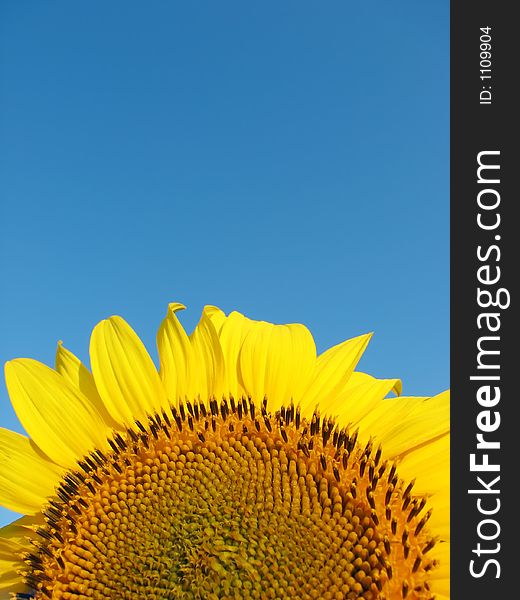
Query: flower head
x,y
246,467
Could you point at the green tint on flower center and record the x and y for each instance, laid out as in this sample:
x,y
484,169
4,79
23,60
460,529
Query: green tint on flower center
x,y
228,501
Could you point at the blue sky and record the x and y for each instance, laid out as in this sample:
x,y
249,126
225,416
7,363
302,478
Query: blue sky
x,y
286,159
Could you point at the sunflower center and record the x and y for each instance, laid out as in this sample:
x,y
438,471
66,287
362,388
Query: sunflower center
x,y
228,501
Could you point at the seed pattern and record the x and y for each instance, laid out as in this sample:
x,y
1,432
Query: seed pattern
x,y
222,500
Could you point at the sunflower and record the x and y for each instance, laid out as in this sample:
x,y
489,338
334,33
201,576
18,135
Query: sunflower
x,y
247,467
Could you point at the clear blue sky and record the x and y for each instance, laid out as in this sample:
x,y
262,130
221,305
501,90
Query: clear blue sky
x,y
286,159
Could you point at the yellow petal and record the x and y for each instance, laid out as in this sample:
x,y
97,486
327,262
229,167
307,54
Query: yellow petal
x,y
216,316
333,370
208,357
402,424
359,397
14,542
175,356
439,522
10,581
125,375
430,464
27,478
77,374
232,334
57,416
277,361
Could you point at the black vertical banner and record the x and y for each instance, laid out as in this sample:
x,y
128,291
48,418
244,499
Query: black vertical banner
x,y
485,254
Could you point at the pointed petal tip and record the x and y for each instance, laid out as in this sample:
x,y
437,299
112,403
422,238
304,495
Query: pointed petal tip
x,y
364,339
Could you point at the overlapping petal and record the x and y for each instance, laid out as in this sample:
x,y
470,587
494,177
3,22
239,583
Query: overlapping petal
x,y
60,420
429,465
14,541
232,333
332,372
76,373
406,423
359,397
277,361
27,477
192,366
175,356
208,356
